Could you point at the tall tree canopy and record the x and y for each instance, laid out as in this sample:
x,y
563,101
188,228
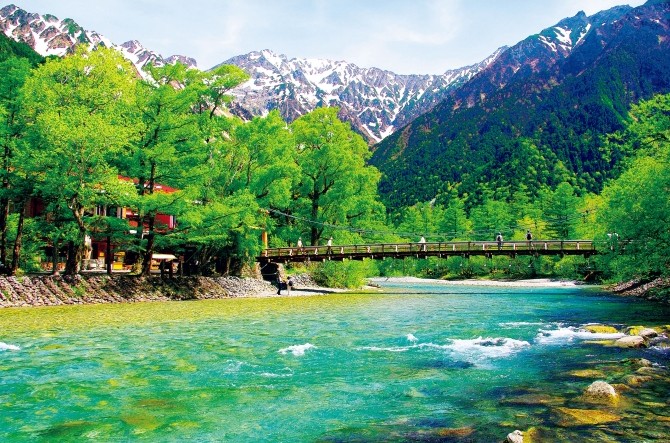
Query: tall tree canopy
x,y
336,186
12,138
76,109
637,204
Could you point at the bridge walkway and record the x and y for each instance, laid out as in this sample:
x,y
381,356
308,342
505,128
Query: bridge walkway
x,y
422,250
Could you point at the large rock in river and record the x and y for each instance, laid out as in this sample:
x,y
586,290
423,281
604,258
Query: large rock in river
x,y
601,392
514,437
631,341
648,333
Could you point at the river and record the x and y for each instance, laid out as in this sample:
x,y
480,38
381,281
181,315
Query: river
x,y
414,362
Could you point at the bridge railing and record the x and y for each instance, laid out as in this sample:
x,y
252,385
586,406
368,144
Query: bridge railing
x,y
432,248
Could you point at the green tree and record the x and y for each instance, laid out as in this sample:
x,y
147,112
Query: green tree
x,y
240,167
165,132
263,156
12,134
636,215
455,224
560,211
76,109
490,218
336,186
421,219
636,205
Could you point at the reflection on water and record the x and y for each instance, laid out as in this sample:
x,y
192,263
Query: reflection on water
x,y
415,363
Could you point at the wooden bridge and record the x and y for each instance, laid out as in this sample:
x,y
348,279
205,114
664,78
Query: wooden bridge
x,y
422,250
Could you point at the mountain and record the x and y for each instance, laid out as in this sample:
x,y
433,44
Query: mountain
x,y
537,115
10,48
48,35
374,101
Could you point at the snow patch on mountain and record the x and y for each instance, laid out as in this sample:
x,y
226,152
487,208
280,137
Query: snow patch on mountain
x,y
48,35
376,102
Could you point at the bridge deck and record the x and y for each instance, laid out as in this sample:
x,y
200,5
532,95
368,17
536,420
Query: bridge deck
x,y
422,250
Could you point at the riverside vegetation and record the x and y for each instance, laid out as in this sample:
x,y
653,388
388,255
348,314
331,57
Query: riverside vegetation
x,y
69,127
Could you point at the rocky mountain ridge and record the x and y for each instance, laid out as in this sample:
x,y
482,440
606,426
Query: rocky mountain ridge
x,y
49,35
376,102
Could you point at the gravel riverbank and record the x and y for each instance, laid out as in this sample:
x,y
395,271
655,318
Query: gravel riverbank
x,y
48,290
88,289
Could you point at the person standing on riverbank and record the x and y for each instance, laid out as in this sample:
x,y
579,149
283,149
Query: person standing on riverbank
x,y
279,283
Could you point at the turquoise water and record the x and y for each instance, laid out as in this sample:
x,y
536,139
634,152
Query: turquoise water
x,y
422,362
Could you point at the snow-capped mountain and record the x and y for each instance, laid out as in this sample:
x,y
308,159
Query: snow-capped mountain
x,y
560,49
48,35
558,92
374,101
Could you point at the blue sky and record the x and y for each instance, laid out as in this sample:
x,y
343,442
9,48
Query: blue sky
x,y
403,36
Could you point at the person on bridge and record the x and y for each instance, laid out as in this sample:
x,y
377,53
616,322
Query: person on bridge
x,y
299,244
499,239
422,243
529,238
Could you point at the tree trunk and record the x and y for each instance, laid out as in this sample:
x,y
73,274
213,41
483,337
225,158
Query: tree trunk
x,y
54,257
149,251
4,207
16,255
4,215
314,234
72,262
151,222
76,250
108,256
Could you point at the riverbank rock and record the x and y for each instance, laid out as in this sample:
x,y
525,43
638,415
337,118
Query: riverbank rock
x,y
631,341
600,329
601,392
634,380
304,280
455,432
661,342
648,333
657,289
637,362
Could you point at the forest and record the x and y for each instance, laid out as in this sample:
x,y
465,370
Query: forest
x,y
71,127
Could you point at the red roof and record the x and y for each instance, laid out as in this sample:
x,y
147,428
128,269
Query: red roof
x,y
158,187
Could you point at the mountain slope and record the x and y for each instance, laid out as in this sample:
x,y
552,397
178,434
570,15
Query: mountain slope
x,y
536,116
374,101
10,48
48,35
